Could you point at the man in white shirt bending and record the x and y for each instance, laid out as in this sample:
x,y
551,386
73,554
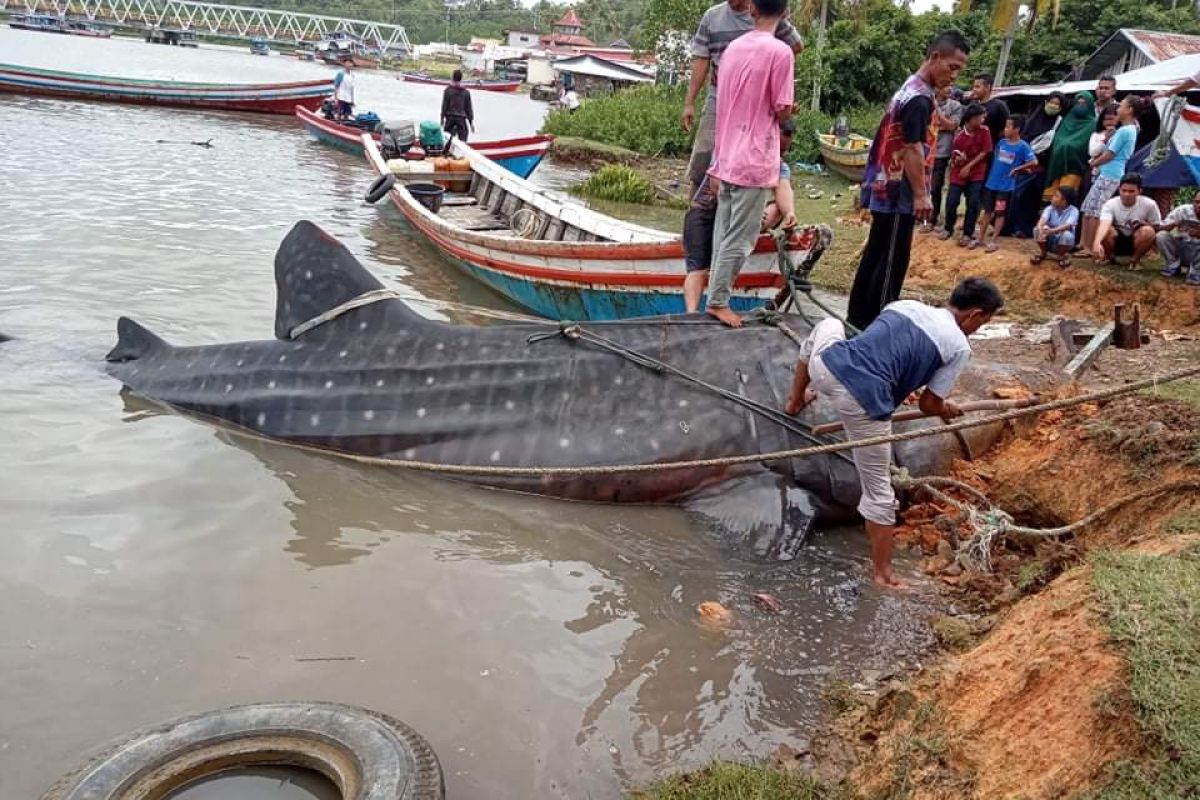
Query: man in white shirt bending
x,y
1128,224
1178,242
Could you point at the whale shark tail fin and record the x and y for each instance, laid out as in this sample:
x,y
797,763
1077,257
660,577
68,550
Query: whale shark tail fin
x,y
315,273
134,342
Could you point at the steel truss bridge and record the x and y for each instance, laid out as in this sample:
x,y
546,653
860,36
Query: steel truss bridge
x,y
238,22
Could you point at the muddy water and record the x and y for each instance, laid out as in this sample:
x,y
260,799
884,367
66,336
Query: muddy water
x,y
151,566
262,783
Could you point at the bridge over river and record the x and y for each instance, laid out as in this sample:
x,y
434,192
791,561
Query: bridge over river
x,y
215,19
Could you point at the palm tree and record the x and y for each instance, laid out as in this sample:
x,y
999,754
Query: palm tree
x,y
1006,14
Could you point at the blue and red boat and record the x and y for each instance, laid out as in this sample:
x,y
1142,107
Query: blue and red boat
x,y
519,156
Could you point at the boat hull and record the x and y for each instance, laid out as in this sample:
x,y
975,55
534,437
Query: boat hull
x,y
641,274
487,86
850,163
519,156
279,98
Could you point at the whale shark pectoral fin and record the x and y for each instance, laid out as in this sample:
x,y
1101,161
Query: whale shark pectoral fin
x,y
134,342
764,514
315,273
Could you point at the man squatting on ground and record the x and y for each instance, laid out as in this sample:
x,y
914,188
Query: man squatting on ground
x,y
754,96
865,379
701,218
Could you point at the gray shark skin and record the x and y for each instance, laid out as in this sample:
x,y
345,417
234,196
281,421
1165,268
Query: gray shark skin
x,y
380,380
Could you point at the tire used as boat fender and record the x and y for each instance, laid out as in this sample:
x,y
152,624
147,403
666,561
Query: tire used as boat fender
x,y
379,189
365,754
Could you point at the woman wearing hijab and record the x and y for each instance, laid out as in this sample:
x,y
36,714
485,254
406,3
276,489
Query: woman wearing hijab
x,y
1068,162
1039,130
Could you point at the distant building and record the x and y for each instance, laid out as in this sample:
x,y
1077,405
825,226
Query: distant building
x,y
1129,49
567,32
524,38
593,75
620,44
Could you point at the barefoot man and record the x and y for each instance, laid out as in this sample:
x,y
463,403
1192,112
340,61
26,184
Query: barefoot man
x,y
754,96
865,379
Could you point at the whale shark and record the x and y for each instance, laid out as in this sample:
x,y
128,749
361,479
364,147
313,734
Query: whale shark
x,y
355,371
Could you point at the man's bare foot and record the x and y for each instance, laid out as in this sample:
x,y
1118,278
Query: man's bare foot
x,y
725,315
889,580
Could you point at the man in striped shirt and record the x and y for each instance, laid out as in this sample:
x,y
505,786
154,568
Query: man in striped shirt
x,y
865,379
719,26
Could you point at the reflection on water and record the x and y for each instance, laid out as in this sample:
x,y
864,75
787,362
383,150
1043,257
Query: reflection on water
x,y
151,566
260,783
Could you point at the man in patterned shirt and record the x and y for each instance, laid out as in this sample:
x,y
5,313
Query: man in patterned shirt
x,y
719,26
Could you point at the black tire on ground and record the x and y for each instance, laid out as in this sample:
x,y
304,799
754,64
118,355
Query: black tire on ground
x,y
379,189
365,754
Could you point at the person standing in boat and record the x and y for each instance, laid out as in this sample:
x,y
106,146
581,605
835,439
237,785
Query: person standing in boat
x,y
458,117
865,379
343,89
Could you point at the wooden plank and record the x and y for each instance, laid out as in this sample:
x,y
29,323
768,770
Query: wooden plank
x,y
1088,355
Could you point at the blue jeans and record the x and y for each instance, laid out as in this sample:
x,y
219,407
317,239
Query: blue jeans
x,y
972,191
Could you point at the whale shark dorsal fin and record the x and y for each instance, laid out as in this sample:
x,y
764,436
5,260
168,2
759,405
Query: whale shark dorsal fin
x,y
314,273
134,342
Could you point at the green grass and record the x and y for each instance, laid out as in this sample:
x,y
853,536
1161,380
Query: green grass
x,y
643,118
1152,607
723,780
1186,390
619,183
1184,522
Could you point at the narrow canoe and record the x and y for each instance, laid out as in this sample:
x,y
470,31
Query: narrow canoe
x,y
846,155
561,260
518,156
470,83
265,98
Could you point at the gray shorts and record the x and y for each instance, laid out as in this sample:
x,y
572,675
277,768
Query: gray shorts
x,y
874,463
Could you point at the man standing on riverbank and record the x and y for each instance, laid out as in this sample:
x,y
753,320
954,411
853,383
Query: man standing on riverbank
x,y
754,96
719,27
458,118
897,178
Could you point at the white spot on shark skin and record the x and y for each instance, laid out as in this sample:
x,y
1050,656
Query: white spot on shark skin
x,y
362,326
240,362
261,419
429,381
683,426
308,274
189,364
391,351
368,414
204,384
520,374
618,380
566,396
283,358
228,388
314,420
653,444
420,412
134,371
465,408
439,346
379,383
328,384
495,456
564,442
619,431
509,405
270,384
683,403
410,453
343,354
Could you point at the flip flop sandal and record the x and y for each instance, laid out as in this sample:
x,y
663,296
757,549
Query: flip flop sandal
x,y
991,247
1035,260
1064,262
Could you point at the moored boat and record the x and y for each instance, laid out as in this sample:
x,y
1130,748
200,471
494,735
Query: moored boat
x,y
265,98
561,259
519,156
845,155
469,83
47,23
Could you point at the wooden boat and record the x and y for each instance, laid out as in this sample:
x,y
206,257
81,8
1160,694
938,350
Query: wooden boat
x,y
470,83
265,98
519,156
846,155
560,259
49,23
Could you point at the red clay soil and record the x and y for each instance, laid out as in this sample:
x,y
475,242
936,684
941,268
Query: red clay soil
x,y
1083,290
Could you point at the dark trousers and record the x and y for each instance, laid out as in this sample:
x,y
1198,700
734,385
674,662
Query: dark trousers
x,y
936,185
1026,206
882,268
457,127
972,190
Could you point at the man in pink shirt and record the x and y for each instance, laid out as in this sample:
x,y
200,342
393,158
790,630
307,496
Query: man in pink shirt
x,y
753,96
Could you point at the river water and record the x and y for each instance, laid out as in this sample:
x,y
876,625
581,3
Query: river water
x,y
151,566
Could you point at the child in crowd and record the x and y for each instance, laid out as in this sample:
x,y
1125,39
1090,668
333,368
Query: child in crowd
x,y
968,168
1013,156
1056,229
